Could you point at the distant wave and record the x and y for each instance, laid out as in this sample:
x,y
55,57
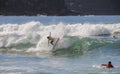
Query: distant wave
x,y
74,38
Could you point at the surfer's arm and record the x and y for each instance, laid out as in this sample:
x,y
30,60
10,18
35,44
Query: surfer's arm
x,y
50,34
103,64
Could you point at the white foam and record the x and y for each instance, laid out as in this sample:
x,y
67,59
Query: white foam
x,y
36,33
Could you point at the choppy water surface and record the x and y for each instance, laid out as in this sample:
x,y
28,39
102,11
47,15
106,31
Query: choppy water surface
x,y
85,43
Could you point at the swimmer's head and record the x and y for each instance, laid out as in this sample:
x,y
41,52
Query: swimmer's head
x,y
109,62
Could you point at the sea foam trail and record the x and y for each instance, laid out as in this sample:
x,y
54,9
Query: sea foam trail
x,y
32,35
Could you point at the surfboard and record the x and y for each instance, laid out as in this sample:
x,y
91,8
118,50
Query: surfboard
x,y
56,42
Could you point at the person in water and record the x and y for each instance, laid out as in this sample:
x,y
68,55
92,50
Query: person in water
x,y
109,65
50,40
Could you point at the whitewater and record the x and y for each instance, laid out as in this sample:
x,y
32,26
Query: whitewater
x,y
85,43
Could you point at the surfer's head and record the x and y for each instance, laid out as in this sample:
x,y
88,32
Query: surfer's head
x,y
48,37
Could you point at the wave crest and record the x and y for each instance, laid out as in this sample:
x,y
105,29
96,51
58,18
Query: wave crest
x,y
74,38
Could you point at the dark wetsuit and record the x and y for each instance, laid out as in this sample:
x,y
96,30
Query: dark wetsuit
x,y
51,39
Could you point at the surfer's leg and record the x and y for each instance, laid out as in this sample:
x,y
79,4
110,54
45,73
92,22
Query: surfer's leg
x,y
52,42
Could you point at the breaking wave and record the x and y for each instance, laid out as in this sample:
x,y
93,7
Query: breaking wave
x,y
75,39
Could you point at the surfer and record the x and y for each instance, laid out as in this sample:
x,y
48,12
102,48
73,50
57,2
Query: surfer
x,y
50,40
109,65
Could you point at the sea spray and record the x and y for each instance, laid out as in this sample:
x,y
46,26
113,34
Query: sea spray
x,y
31,36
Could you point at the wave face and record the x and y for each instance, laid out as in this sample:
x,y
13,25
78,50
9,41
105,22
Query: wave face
x,y
74,38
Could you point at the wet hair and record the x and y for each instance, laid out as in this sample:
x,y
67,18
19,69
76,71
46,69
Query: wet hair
x,y
109,62
48,37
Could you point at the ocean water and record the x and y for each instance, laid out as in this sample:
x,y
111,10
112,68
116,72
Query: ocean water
x,y
85,43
